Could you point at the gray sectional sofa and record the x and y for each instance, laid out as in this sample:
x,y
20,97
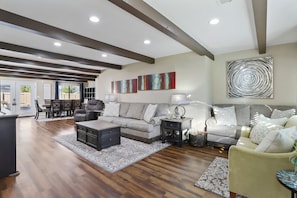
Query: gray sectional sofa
x,y
133,125
225,135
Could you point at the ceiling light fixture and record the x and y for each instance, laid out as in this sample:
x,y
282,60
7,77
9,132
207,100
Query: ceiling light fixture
x,y
104,55
214,21
147,42
57,44
94,19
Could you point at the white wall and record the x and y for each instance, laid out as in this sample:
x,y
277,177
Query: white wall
x,y
284,72
192,77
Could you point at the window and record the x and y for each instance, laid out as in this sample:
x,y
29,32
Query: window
x,y
69,91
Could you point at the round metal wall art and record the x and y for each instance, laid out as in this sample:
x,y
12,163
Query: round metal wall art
x,y
250,78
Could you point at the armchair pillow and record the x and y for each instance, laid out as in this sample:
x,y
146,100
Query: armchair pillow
x,y
260,130
278,141
225,115
112,109
261,118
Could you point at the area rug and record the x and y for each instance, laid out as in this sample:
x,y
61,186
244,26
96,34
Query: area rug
x,y
114,158
215,178
43,119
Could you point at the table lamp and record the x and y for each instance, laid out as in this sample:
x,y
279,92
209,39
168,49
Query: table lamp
x,y
179,100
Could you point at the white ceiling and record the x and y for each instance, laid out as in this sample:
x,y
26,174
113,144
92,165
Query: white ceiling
x,y
235,32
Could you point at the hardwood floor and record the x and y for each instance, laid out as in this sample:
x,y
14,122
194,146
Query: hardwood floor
x,y
48,169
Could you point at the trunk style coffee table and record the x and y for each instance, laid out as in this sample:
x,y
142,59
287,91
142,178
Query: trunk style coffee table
x,y
98,134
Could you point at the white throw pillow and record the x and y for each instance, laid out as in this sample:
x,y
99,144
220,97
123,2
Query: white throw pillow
x,y
261,129
150,112
282,114
262,118
112,109
278,141
225,115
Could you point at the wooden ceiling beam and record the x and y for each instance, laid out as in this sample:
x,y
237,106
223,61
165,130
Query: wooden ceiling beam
x,y
260,16
146,13
46,65
52,55
34,76
43,29
46,72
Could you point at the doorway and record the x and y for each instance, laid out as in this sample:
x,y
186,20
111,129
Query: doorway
x,y
18,97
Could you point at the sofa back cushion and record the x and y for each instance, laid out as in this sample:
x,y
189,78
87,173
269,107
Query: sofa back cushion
x,y
135,110
112,109
150,112
124,109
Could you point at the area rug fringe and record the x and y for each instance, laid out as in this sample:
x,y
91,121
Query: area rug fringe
x,y
113,158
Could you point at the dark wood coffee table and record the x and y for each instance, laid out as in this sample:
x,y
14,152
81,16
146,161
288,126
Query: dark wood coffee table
x,y
98,134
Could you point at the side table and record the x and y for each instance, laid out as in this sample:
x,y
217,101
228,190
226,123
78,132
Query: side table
x,y
172,129
288,178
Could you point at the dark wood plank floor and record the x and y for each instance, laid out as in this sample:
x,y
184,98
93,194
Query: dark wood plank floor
x,y
47,169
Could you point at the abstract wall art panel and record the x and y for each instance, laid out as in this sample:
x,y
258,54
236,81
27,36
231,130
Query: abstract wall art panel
x,y
250,78
160,81
124,86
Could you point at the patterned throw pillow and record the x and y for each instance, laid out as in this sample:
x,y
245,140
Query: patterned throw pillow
x,y
282,114
261,118
112,109
150,112
225,115
279,141
261,129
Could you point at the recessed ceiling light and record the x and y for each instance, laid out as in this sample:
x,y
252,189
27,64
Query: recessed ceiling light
x,y
104,55
57,44
94,19
214,21
147,42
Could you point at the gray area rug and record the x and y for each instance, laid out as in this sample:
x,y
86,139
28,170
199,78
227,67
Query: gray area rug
x,y
113,158
215,178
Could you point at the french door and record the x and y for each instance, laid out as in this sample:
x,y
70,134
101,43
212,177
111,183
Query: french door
x,y
18,97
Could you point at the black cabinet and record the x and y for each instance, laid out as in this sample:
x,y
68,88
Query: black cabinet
x,y
8,145
173,129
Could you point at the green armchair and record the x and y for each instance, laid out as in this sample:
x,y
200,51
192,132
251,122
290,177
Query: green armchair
x,y
253,174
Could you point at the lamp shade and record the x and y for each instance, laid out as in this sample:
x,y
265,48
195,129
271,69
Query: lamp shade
x,y
109,98
179,99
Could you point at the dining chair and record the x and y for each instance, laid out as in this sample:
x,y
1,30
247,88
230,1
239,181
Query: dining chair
x,y
39,110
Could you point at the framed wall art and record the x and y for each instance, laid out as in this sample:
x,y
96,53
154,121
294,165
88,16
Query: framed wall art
x,y
250,78
161,81
124,86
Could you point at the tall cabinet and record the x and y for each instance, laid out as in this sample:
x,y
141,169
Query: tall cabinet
x,y
8,145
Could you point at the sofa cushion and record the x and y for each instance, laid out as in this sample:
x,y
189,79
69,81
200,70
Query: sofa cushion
x,y
143,111
135,111
150,112
124,109
140,125
261,129
282,114
162,110
242,115
225,115
246,142
279,141
111,109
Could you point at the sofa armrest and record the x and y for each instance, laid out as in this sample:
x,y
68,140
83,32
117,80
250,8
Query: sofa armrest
x,y
157,120
79,111
210,122
249,170
245,131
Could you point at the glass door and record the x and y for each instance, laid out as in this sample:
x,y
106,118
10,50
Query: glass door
x,y
18,97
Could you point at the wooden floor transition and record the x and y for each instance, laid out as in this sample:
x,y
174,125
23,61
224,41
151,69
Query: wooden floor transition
x,y
48,169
